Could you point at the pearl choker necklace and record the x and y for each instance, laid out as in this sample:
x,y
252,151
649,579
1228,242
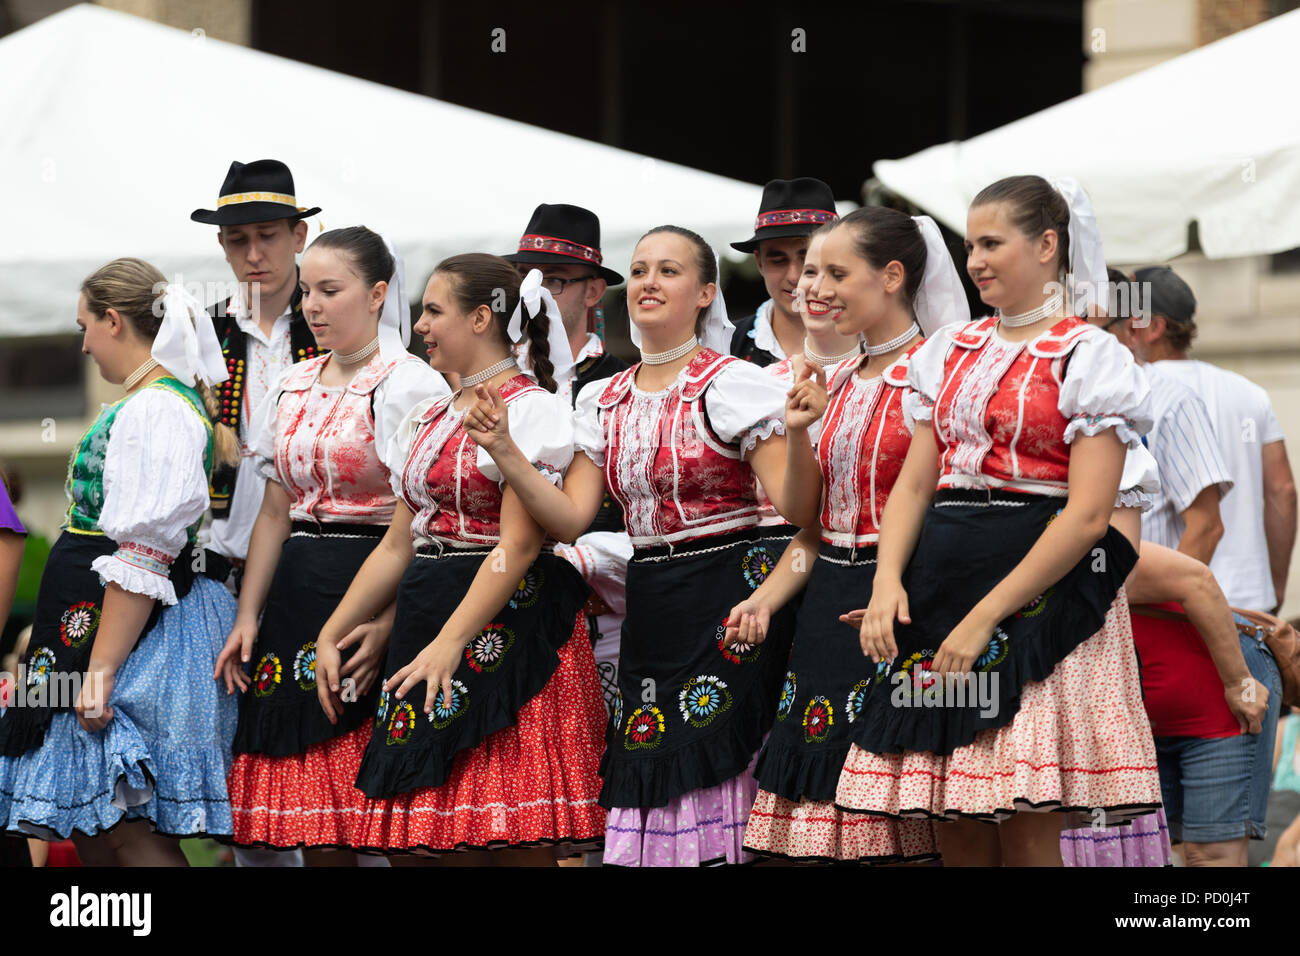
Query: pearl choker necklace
x,y
895,342
826,361
132,380
661,358
352,358
478,378
1050,307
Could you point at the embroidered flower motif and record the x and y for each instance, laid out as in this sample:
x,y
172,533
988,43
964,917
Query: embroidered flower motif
x,y
757,564
618,708
995,651
882,670
304,666
530,585
788,688
78,623
267,678
736,653
818,717
645,728
1037,605
381,708
917,669
701,699
488,647
42,663
401,724
442,713
857,700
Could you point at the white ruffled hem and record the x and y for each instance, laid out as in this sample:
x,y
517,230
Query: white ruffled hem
x,y
596,459
1124,429
1134,498
112,569
760,432
916,409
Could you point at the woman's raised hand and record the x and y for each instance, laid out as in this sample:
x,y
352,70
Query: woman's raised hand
x,y
487,423
807,400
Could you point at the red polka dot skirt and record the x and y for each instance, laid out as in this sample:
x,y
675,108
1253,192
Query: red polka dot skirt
x,y
533,783
815,830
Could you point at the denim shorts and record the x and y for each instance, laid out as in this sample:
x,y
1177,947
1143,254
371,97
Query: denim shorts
x,y
1215,789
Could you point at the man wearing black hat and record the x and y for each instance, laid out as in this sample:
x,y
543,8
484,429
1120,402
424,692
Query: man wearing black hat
x,y
563,241
262,331
261,327
791,209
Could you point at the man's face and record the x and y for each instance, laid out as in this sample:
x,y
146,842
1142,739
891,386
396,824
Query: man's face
x,y
264,252
576,297
780,262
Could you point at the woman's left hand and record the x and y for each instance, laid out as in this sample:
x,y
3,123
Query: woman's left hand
x,y
807,400
363,666
92,707
434,665
962,647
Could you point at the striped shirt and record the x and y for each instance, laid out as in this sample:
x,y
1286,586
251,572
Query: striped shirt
x,y
1184,445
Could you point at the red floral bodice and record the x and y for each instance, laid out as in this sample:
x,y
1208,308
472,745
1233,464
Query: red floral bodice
x,y
325,455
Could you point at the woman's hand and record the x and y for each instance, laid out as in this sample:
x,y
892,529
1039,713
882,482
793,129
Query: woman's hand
x,y
1248,702
888,603
236,653
93,711
434,665
363,666
487,422
748,621
962,647
807,401
328,689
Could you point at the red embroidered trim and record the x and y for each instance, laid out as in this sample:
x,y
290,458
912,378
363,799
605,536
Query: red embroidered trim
x,y
980,776
790,217
534,243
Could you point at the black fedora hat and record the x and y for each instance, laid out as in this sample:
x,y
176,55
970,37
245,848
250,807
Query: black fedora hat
x,y
790,207
559,233
259,191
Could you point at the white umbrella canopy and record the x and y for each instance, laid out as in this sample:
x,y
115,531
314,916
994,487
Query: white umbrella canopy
x,y
1208,137
117,127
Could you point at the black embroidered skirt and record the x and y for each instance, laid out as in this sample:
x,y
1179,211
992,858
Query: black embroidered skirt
x,y
280,713
505,665
692,710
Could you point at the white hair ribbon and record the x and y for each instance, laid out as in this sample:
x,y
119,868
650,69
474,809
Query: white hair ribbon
x,y
395,319
1086,270
533,296
941,298
186,344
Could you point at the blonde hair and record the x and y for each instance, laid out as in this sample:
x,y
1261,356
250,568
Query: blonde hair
x,y
128,286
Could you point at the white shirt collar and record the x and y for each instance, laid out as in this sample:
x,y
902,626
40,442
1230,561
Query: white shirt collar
x,y
591,349
244,318
764,337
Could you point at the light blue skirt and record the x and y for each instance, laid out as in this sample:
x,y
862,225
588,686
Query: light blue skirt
x,y
164,755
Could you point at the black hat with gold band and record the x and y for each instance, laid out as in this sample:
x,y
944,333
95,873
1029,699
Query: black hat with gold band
x,y
260,191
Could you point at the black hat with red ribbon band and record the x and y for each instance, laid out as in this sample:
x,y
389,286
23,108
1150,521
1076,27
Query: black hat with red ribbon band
x,y
790,207
260,191
564,235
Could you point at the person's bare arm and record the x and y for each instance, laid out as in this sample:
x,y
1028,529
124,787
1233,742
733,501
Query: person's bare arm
x,y
11,560
1203,527
748,621
1279,515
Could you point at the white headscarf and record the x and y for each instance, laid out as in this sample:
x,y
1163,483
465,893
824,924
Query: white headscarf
x,y
941,298
1086,270
533,296
718,328
395,318
186,344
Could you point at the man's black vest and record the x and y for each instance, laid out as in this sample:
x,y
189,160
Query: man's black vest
x,y
230,393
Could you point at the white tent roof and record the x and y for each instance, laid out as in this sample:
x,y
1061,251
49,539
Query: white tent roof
x,y
1211,136
116,127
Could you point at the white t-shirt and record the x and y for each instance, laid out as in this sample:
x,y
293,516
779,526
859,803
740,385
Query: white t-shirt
x,y
1243,423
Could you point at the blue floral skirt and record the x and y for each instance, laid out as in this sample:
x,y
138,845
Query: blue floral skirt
x,y
164,755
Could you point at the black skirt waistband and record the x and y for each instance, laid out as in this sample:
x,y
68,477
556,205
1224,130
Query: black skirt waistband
x,y
996,497
839,554
716,542
338,529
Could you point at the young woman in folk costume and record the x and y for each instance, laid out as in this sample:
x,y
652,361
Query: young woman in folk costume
x,y
678,439
1007,684
141,754
488,730
326,505
889,277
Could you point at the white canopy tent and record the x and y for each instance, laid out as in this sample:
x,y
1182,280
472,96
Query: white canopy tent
x,y
1210,137
116,127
